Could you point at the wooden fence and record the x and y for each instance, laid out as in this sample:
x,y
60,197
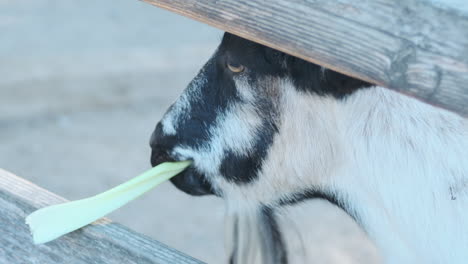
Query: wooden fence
x,y
102,242
416,47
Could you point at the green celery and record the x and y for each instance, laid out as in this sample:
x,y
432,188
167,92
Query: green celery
x,y
51,222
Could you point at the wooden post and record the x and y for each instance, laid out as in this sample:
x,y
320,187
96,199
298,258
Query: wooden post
x,y
101,242
411,46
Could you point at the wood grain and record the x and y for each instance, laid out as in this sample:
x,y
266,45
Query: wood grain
x,y
100,242
407,45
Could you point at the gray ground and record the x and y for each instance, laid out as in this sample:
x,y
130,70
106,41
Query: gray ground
x,y
82,84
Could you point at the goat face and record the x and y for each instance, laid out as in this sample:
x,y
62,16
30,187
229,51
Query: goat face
x,y
247,122
266,129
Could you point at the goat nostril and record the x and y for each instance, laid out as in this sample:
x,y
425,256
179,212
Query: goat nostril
x,y
156,136
153,140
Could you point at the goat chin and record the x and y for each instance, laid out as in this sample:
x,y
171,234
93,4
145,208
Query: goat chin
x,y
397,165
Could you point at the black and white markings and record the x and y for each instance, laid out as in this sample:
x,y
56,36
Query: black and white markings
x,y
263,127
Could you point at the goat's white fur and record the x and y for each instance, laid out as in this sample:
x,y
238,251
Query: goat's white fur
x,y
399,164
394,160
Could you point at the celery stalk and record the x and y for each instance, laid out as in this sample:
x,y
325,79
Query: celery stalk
x,y
51,222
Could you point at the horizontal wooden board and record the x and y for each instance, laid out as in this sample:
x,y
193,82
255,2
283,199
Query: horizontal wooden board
x,y
411,46
101,242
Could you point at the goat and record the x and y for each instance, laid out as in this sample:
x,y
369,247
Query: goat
x,y
265,129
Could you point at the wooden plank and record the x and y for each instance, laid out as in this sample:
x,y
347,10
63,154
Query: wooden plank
x,y
101,242
411,46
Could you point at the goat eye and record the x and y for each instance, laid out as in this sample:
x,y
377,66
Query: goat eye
x,y
235,67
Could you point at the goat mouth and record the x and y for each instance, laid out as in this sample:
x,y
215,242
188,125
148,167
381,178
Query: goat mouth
x,y
158,158
192,182
189,181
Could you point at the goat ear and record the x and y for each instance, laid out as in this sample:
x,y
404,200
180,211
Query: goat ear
x,y
274,57
342,84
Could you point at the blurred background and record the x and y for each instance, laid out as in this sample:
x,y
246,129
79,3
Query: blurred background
x,y
82,85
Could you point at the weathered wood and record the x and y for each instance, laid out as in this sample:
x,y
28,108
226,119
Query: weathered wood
x,y
101,242
411,46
